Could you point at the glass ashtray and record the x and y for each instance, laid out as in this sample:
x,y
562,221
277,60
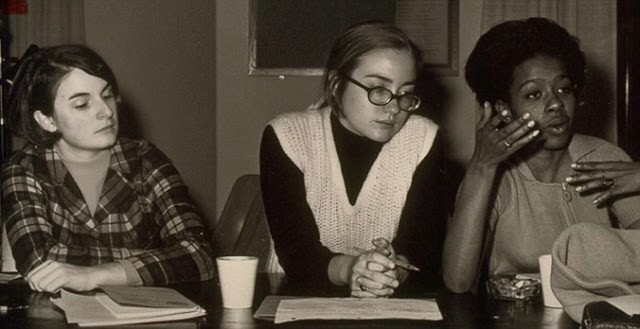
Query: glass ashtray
x,y
513,288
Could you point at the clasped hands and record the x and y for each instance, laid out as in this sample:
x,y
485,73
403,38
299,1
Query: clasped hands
x,y
374,273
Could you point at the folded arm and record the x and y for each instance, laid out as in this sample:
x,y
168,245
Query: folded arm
x,y
39,233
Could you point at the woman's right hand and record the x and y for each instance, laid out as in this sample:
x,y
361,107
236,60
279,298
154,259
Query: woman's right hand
x,y
494,143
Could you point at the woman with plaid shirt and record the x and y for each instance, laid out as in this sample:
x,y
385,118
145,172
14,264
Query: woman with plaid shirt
x,y
82,206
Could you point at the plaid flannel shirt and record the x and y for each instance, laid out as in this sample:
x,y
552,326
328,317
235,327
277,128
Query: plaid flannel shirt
x,y
144,215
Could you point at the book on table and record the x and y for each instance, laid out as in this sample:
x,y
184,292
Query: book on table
x,y
117,305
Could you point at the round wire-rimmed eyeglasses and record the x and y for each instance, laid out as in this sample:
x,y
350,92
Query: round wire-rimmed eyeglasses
x,y
381,96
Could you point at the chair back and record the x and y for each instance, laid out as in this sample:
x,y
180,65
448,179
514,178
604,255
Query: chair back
x,y
242,228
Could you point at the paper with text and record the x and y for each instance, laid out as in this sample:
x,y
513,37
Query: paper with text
x,y
357,309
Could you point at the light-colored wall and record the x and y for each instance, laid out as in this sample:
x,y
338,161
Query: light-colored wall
x,y
163,55
246,103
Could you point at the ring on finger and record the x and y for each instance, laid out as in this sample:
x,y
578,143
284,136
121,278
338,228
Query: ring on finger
x,y
362,287
506,144
357,282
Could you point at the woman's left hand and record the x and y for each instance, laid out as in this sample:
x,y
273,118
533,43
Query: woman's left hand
x,y
374,273
610,179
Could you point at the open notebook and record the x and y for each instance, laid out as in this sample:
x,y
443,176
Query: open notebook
x,y
126,305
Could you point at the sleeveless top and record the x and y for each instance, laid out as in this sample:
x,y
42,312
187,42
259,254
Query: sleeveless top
x,y
307,139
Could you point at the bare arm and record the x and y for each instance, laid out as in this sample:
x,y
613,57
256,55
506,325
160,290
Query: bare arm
x,y
466,229
178,252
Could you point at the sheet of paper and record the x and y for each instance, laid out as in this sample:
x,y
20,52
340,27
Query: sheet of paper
x,y
357,309
629,304
148,297
269,306
6,277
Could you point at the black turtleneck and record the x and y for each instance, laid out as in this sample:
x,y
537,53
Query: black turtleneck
x,y
356,154
293,227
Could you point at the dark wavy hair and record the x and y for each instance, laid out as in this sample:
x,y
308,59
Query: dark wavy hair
x,y
36,81
355,42
490,67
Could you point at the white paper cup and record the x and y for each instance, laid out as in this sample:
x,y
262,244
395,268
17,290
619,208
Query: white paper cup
x,y
548,296
237,275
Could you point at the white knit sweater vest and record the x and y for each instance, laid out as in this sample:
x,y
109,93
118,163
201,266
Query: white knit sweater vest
x,y
307,139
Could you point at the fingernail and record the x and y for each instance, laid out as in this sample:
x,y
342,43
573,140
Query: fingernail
x,y
504,113
526,116
579,188
568,179
531,123
535,133
574,165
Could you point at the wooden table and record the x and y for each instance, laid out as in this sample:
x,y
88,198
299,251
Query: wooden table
x,y
459,311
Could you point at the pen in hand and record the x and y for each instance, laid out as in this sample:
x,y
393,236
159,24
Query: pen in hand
x,y
382,244
406,266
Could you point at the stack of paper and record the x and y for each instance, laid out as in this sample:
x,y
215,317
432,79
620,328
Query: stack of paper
x,y
126,305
